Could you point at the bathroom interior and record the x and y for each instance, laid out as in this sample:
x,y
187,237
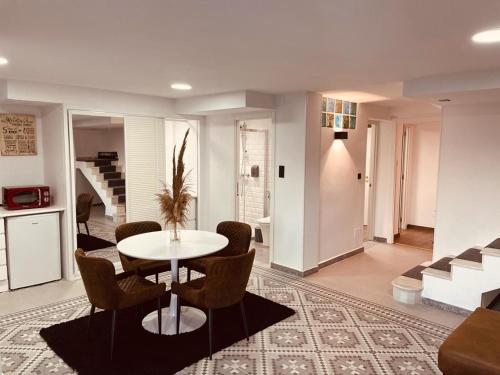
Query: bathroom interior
x,y
255,182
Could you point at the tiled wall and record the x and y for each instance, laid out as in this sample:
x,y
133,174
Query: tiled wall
x,y
253,205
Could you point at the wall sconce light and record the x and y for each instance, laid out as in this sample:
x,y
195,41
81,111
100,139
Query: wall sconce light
x,y
340,135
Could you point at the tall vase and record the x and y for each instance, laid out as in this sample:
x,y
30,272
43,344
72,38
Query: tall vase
x,y
175,233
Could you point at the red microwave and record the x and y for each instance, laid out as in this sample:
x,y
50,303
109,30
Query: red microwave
x,y
19,197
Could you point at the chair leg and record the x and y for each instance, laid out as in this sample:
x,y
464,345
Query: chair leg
x,y
87,227
92,311
178,321
156,277
210,334
189,274
159,315
244,316
78,226
113,324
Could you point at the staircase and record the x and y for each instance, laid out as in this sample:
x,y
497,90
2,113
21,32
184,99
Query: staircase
x,y
106,177
466,281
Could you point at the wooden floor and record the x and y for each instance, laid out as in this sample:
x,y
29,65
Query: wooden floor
x,y
417,237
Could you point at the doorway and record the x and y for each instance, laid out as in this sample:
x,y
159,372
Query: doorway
x,y
99,180
419,160
255,182
370,173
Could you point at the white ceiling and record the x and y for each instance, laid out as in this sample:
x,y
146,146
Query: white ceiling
x,y
272,46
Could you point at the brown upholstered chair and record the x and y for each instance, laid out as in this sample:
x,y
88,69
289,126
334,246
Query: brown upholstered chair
x,y
109,291
143,267
239,236
224,285
83,207
473,347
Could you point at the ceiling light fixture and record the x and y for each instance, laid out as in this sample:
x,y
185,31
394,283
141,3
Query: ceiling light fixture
x,y
181,86
3,61
487,36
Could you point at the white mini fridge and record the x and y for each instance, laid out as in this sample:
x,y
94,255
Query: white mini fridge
x,y
33,249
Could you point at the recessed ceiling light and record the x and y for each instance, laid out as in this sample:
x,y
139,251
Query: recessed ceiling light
x,y
181,86
487,36
3,61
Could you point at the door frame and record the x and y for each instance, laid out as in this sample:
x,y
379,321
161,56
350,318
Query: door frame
x,y
404,177
71,205
372,179
272,143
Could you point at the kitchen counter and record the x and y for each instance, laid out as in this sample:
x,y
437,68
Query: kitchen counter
x,y
29,211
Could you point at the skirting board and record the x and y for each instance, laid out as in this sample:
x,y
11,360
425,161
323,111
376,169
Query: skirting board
x,y
446,307
292,271
412,226
341,257
380,239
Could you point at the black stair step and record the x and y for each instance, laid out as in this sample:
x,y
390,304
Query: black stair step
x,y
107,168
415,272
119,190
116,183
102,163
112,175
121,198
495,244
472,255
442,264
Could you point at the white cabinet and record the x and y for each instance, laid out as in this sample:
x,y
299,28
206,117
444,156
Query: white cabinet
x,y
33,249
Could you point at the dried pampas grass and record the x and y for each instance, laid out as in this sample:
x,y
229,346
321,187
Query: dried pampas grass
x,y
174,200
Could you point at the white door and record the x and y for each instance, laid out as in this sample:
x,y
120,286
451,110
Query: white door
x,y
145,169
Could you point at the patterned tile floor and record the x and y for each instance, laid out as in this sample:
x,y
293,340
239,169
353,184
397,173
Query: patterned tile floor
x,y
332,333
106,231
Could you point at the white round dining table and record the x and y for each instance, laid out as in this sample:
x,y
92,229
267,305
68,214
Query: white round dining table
x,y
158,246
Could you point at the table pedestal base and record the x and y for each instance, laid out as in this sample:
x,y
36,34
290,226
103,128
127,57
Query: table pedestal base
x,y
191,319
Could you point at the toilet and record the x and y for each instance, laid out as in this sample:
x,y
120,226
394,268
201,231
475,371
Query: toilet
x,y
264,225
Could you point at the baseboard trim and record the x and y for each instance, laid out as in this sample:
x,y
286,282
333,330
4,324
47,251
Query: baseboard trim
x,y
445,307
413,226
292,271
340,257
380,239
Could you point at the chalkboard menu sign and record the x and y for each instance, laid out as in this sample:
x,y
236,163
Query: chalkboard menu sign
x,y
17,134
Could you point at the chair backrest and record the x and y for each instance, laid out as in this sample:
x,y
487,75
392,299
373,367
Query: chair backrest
x,y
83,206
227,279
239,236
99,279
131,229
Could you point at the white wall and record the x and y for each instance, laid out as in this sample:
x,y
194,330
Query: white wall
x,y
217,171
23,170
296,200
312,181
342,194
88,142
468,204
56,160
422,180
289,191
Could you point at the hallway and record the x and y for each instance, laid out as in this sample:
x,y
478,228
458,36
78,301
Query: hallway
x,y
415,236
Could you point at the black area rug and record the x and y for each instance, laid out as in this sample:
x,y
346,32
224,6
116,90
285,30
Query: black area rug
x,y
140,352
88,243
